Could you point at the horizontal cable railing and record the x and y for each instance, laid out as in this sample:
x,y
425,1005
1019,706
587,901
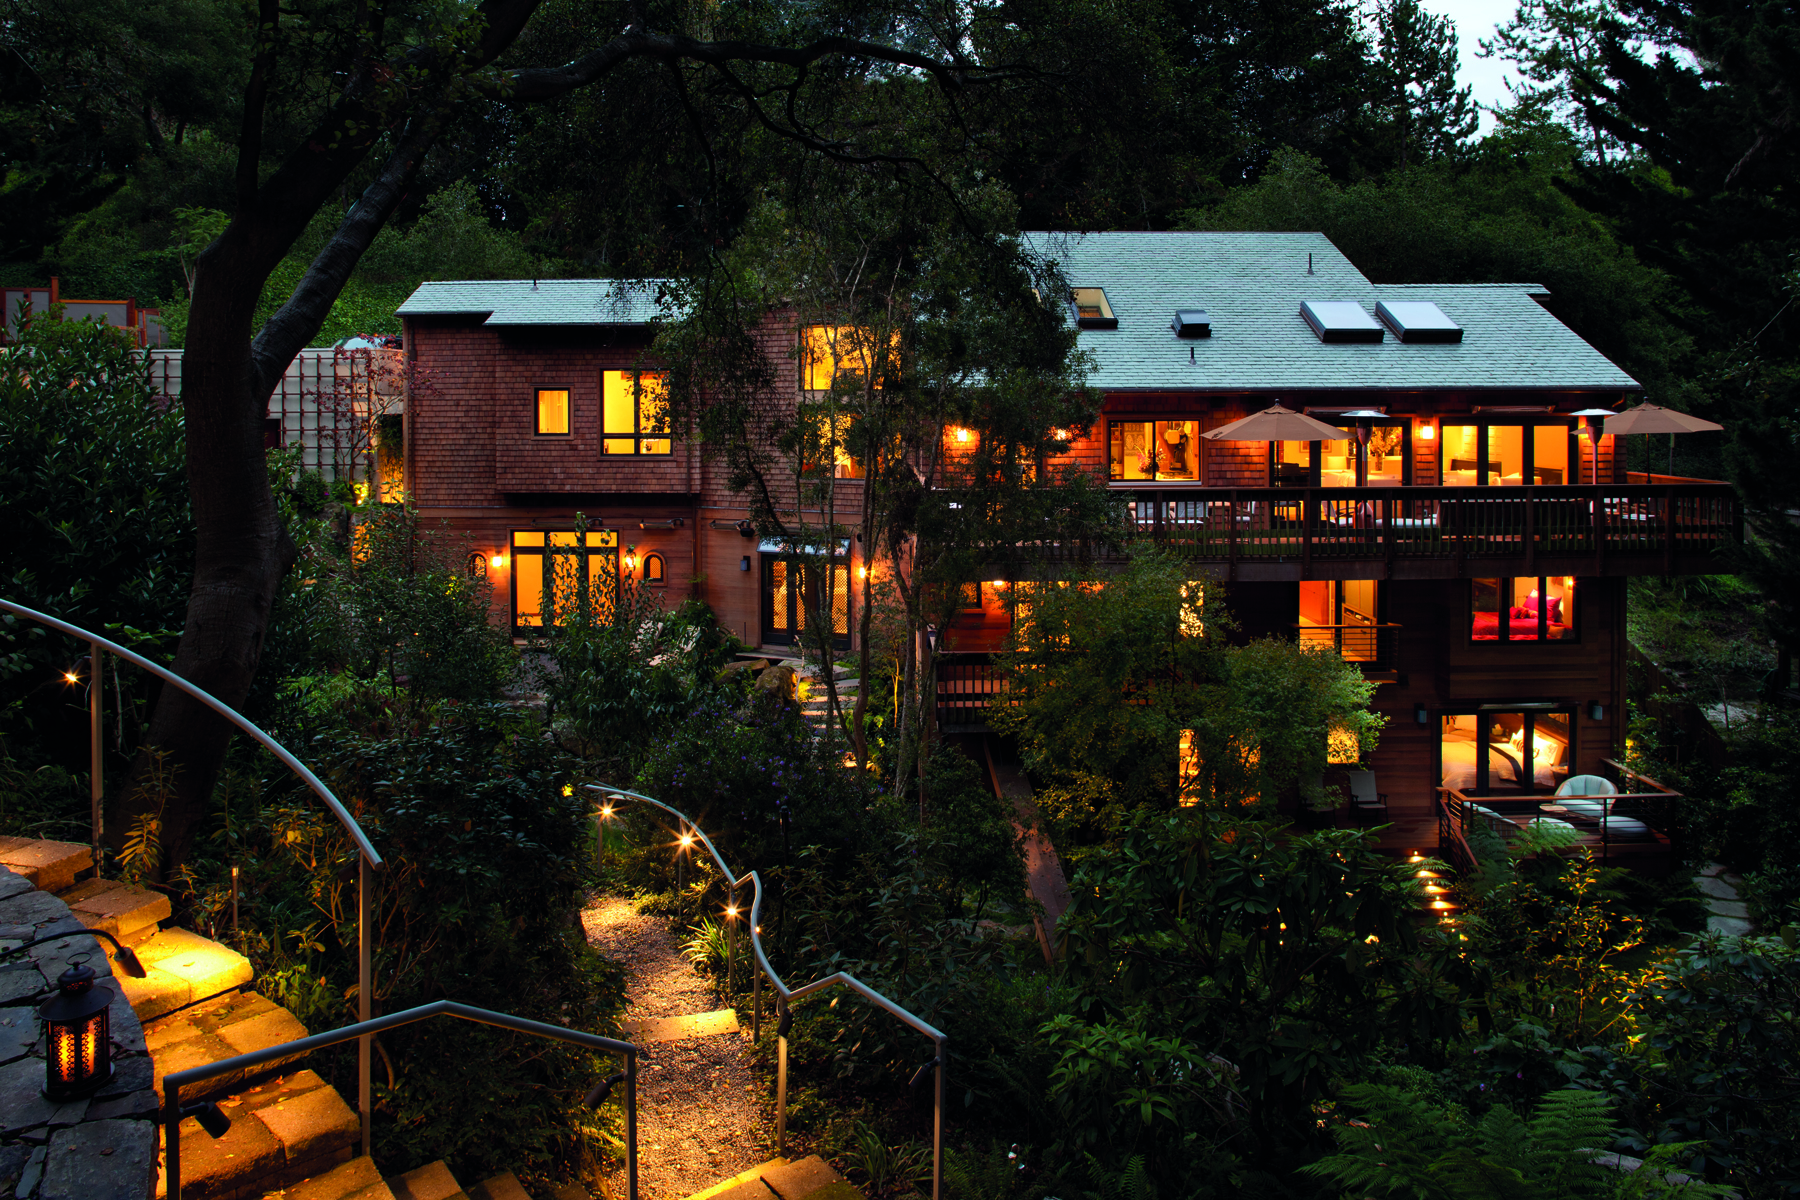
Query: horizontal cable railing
x,y
785,995
1356,641
1507,813
1668,520
368,858
172,1083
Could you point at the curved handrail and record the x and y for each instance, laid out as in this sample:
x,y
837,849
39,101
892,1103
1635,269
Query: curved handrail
x,y
369,860
219,706
790,994
173,1082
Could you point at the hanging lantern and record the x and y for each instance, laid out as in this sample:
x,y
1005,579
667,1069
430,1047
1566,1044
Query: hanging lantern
x,y
78,1032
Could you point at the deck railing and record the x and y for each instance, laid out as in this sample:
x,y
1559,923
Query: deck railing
x,y
1506,814
1357,642
1667,520
965,685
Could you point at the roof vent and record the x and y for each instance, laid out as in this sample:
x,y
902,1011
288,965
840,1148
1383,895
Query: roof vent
x,y
1418,321
1191,323
1091,309
1340,321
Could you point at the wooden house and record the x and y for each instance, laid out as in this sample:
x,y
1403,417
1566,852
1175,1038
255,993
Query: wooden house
x,y
1466,541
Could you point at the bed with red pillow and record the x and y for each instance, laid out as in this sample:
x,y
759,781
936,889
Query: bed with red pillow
x,y
1521,623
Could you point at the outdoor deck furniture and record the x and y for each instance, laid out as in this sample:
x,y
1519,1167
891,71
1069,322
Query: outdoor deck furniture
x,y
1365,802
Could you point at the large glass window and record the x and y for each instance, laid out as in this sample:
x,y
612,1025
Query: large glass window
x,y
557,569
1333,463
1528,608
830,351
1154,450
1490,751
1507,453
635,404
1341,615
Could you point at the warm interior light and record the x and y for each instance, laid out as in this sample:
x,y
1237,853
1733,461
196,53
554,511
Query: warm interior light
x,y
960,434
999,585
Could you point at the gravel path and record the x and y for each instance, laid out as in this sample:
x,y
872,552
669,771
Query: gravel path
x,y
701,1115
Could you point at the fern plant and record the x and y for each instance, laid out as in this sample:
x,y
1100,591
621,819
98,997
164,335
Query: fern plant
x,y
1406,1146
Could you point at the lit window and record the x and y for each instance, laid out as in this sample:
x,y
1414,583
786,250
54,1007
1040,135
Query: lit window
x,y
634,404
552,568
1193,604
1525,609
843,464
553,411
1154,450
1187,770
828,352
653,568
1091,309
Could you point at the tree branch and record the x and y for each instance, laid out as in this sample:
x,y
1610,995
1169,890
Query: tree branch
x,y
256,96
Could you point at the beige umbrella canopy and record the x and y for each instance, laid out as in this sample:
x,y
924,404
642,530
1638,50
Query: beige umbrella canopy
x,y
1276,424
1653,418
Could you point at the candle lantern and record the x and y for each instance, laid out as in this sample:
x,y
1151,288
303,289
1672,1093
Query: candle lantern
x,y
78,1033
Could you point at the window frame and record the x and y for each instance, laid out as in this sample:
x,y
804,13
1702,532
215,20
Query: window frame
x,y
601,542
1529,422
1503,628
1198,443
537,411
1530,712
660,578
638,436
1314,456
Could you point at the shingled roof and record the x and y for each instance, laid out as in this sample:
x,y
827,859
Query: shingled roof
x,y
542,301
1252,284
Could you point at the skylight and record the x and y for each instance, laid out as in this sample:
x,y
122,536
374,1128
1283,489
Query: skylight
x,y
1418,321
1191,323
1340,321
1091,309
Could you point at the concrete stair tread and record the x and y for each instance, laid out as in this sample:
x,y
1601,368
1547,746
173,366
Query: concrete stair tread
x,y
432,1181
183,968
504,1186
50,866
217,1029
675,1029
125,910
283,1132
355,1180
779,1179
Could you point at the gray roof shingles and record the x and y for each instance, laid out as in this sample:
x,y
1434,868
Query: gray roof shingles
x,y
542,301
1252,285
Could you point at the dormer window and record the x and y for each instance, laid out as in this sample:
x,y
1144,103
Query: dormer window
x,y
1091,309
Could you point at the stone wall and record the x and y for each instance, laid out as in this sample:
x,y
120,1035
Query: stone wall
x,y
102,1148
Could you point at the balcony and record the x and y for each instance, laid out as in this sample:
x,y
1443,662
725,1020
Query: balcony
x,y
1443,532
1371,647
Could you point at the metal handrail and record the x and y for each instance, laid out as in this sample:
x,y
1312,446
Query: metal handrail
x,y
788,994
362,1031
368,858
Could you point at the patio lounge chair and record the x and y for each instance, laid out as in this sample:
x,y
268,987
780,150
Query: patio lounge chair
x,y
1365,801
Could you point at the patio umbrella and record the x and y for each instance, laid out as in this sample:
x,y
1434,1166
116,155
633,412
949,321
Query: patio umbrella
x,y
1654,418
1276,424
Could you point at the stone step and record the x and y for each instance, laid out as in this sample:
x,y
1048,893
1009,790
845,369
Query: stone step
x,y
676,1029
355,1180
125,910
50,866
432,1181
216,1029
811,1178
183,968
505,1186
283,1132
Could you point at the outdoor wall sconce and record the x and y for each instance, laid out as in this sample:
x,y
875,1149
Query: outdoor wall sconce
x,y
77,1024
499,562
1427,432
1421,715
744,563
1596,712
